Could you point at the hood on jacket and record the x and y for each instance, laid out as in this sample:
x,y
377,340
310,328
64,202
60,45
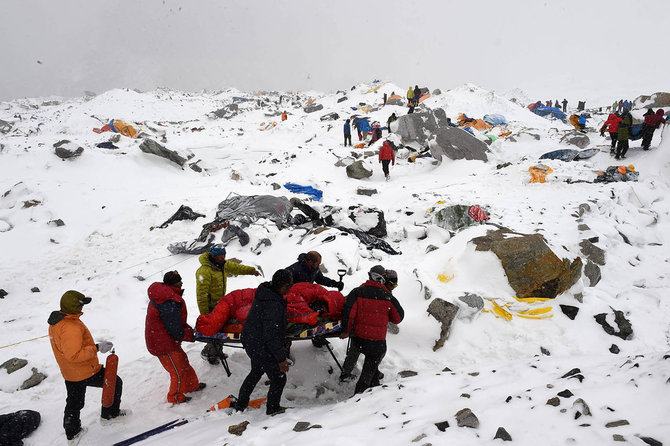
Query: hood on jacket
x,y
205,260
159,293
660,112
57,316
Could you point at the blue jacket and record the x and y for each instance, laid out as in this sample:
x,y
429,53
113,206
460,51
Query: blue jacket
x,y
364,125
347,128
582,120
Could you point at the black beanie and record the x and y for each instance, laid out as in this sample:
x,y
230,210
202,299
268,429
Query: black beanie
x,y
171,278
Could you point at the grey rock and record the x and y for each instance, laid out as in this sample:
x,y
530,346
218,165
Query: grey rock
x,y
437,92
342,99
583,209
444,312
618,437
330,117
576,138
592,252
442,426
357,171
194,167
34,380
14,364
3,293
532,269
311,108
565,393
454,217
570,311
579,297
614,349
657,100
502,434
368,192
455,143
651,441
431,248
5,127
472,301
152,147
465,418
583,227
275,186
523,135
592,272
227,112
624,328
617,423
238,429
301,426
379,230
57,222
419,438
545,352
35,289
65,149
555,401
407,373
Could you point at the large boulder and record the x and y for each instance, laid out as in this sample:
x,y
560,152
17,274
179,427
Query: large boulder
x,y
454,217
532,268
445,313
576,138
5,127
420,127
358,171
660,99
152,147
456,144
369,220
312,108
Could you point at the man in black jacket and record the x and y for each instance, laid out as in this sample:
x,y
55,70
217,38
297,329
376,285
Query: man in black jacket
x,y
306,269
263,339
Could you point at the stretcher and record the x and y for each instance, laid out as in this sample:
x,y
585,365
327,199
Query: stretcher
x,y
318,334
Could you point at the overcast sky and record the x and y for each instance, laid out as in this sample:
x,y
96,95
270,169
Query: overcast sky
x,y
548,48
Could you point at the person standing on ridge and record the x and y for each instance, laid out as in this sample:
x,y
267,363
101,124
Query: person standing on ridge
x,y
410,95
386,156
367,311
284,116
417,94
347,132
77,356
565,105
210,282
263,340
164,330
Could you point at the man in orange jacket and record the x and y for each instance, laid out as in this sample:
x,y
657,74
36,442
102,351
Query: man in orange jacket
x,y
77,357
386,156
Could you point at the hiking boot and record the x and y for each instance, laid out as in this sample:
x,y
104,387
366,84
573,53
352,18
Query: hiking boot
x,y
200,387
119,417
76,438
277,411
346,377
186,399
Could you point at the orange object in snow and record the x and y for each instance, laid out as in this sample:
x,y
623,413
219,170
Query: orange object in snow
x,y
109,383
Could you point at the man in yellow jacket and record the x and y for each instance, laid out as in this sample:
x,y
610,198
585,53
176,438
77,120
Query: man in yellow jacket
x,y
210,283
77,356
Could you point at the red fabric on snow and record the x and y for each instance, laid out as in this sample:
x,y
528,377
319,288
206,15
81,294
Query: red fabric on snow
x,y
477,214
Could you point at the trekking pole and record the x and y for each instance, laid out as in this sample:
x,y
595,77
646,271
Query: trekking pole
x,y
333,355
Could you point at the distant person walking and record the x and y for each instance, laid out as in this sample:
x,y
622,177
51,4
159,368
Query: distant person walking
x,y
347,132
284,116
565,105
386,156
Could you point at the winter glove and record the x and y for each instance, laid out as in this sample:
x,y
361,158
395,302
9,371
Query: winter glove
x,y
255,273
189,334
104,346
340,286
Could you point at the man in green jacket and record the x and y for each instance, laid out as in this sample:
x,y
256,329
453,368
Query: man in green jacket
x,y
623,134
210,282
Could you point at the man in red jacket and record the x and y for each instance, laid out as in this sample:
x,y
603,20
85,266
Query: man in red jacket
x,y
652,121
165,329
612,126
367,312
386,156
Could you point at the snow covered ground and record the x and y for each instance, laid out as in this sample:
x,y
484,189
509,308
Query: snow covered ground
x,y
110,200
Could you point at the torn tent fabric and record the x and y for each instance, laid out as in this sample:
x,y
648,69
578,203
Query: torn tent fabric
x,y
118,126
183,213
552,112
193,247
570,154
539,172
617,173
298,189
370,240
477,214
495,119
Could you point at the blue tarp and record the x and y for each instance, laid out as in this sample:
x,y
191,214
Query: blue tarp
x,y
495,119
298,189
553,111
569,154
636,132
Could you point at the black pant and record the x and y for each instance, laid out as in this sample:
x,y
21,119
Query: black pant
x,y
374,352
647,136
76,394
259,366
385,166
614,136
347,137
621,148
18,425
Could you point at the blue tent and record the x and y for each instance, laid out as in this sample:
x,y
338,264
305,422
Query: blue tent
x,y
495,119
298,189
553,111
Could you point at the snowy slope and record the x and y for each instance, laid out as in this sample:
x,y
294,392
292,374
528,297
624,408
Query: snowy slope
x,y
109,201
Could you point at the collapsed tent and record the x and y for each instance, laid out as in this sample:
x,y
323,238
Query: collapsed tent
x,y
298,189
118,126
464,121
395,100
306,304
569,154
539,172
183,213
370,240
617,173
551,112
495,119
